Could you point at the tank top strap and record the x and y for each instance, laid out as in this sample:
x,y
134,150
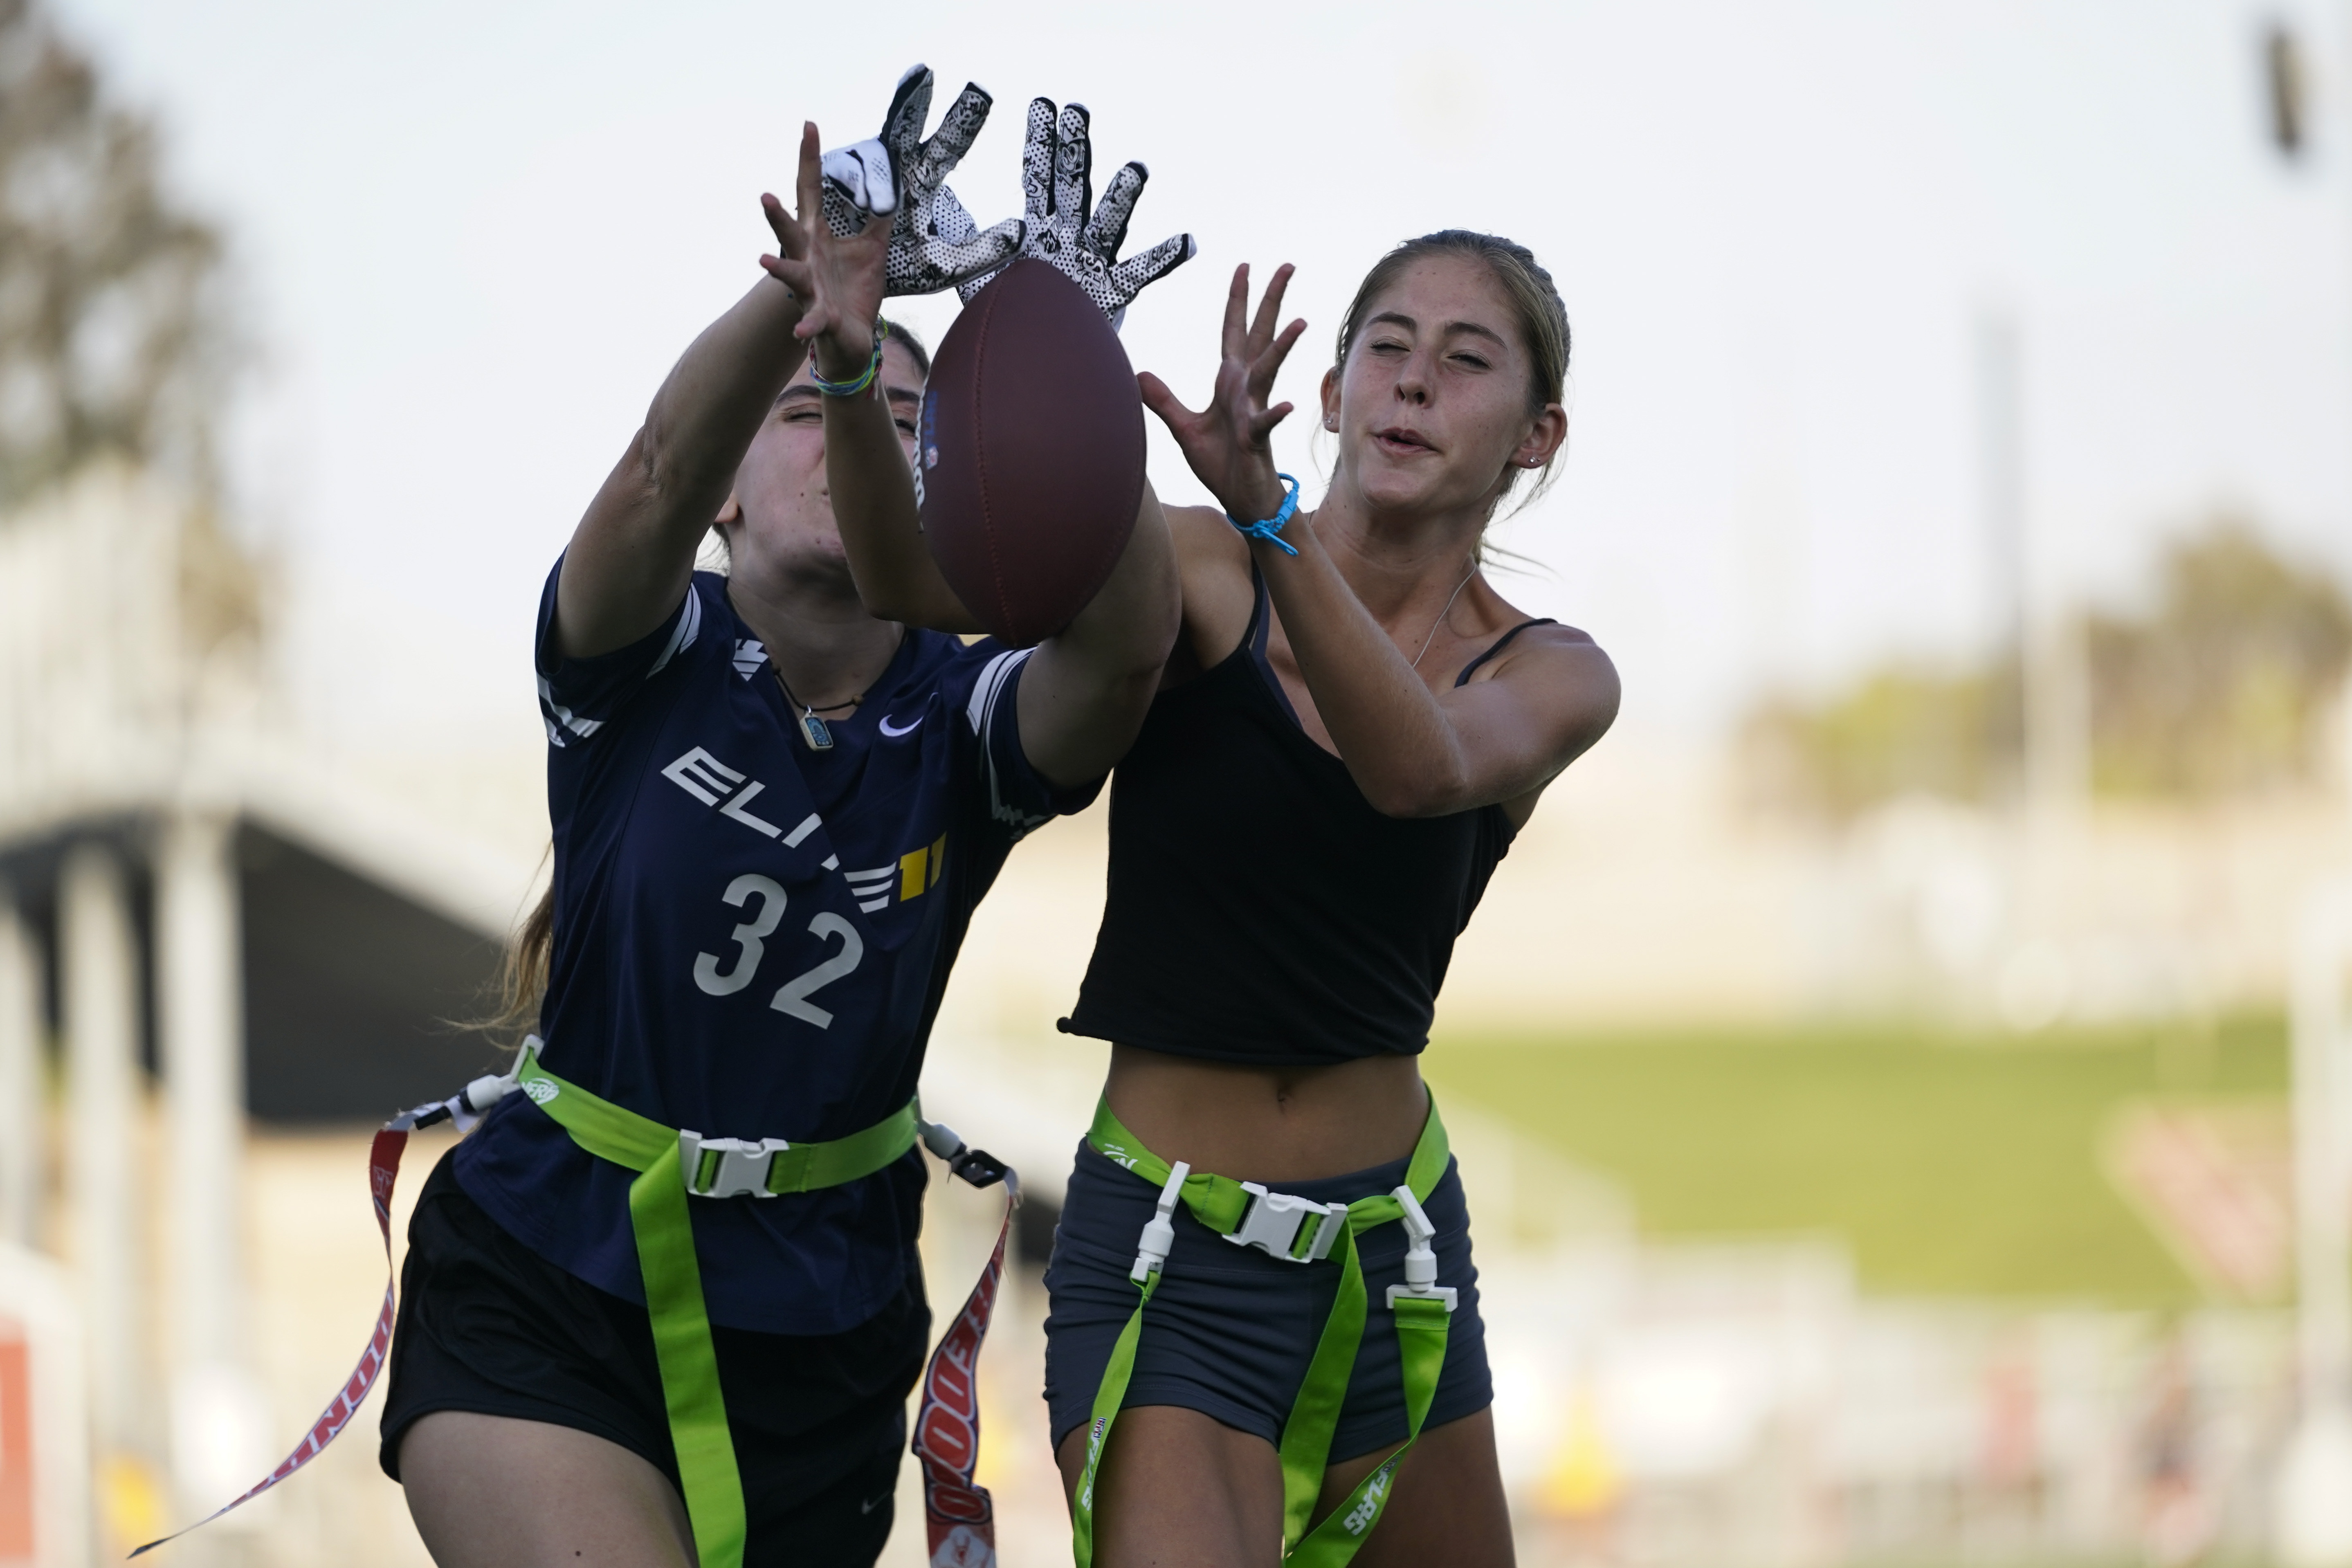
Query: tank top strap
x,y
1261,624
1497,646
1260,634
1261,630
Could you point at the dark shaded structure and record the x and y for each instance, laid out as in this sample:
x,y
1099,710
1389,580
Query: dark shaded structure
x,y
355,998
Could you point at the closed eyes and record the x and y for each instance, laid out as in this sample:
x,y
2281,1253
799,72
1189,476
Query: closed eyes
x,y
1464,357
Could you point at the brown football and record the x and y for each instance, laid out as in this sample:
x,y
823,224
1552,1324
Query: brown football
x,y
1031,462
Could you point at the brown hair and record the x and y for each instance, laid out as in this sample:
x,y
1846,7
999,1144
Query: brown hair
x,y
892,332
1543,318
522,976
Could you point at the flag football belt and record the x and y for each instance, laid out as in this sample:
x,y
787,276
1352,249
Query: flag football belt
x,y
1298,1230
673,1166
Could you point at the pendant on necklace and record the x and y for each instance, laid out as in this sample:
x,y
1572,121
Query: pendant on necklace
x,y
814,732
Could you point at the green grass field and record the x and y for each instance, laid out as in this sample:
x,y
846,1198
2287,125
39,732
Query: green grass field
x,y
1949,1164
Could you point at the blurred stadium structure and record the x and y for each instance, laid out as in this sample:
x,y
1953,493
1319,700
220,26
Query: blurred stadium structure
x,y
227,946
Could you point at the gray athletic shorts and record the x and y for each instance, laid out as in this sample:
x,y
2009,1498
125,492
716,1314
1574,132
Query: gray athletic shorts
x,y
1230,1330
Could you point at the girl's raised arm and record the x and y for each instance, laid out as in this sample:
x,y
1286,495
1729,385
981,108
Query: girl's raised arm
x,y
630,558
1412,752
865,459
1086,688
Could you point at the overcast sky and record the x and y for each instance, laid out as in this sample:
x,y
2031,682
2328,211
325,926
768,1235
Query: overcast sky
x,y
471,238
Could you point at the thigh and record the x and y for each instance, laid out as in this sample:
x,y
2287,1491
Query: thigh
x,y
490,1492
1178,1490
1447,1505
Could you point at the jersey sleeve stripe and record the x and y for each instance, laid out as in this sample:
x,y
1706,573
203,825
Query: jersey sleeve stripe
x,y
982,715
558,718
688,626
984,689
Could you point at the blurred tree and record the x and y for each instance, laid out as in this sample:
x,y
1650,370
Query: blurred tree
x,y
2220,688
111,338
1904,729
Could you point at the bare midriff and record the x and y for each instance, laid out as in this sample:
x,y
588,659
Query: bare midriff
x,y
1268,1125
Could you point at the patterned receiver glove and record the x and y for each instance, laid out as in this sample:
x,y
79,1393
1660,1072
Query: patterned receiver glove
x,y
901,174
1057,181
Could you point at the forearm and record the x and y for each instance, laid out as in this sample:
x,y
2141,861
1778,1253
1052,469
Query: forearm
x,y
874,503
1391,729
1087,688
1127,628
703,418
635,548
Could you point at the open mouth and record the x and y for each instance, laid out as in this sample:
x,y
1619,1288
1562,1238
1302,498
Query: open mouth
x,y
1401,443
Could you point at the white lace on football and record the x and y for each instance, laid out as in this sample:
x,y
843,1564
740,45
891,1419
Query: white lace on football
x,y
1057,185
934,244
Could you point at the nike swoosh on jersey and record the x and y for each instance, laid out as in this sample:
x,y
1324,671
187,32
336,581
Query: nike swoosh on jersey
x,y
894,734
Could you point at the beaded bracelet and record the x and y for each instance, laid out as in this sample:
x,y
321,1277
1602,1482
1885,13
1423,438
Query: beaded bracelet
x,y
852,388
1270,530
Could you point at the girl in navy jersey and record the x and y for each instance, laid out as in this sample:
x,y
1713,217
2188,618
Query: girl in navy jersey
x,y
1353,725
774,814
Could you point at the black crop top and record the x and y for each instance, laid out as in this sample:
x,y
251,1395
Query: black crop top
x,y
1259,909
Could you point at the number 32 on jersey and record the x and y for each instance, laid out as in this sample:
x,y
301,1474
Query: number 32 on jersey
x,y
750,943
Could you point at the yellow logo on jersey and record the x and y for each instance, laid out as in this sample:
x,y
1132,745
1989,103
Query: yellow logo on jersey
x,y
911,873
919,868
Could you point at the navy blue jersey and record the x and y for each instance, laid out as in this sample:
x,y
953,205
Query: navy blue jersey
x,y
752,939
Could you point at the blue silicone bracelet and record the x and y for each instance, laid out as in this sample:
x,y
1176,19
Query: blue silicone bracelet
x,y
1271,529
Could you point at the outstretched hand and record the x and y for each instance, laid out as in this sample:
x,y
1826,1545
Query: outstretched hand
x,y
839,277
1229,444
933,243
1057,185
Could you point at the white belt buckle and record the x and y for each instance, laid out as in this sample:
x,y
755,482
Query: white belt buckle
x,y
1420,1258
1272,1222
741,1166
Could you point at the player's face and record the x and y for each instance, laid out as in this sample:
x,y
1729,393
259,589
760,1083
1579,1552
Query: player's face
x,y
1432,406
787,502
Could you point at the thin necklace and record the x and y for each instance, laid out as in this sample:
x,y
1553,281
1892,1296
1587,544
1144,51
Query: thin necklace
x,y
809,708
1443,613
815,733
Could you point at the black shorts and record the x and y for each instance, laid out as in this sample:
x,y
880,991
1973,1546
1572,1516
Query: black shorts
x,y
1230,1330
819,1421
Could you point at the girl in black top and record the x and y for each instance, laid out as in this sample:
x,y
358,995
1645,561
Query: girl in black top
x,y
1352,726
1349,738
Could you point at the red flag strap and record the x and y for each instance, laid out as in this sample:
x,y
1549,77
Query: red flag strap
x,y
957,1513
383,1170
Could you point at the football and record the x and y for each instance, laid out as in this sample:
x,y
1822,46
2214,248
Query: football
x,y
1030,462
